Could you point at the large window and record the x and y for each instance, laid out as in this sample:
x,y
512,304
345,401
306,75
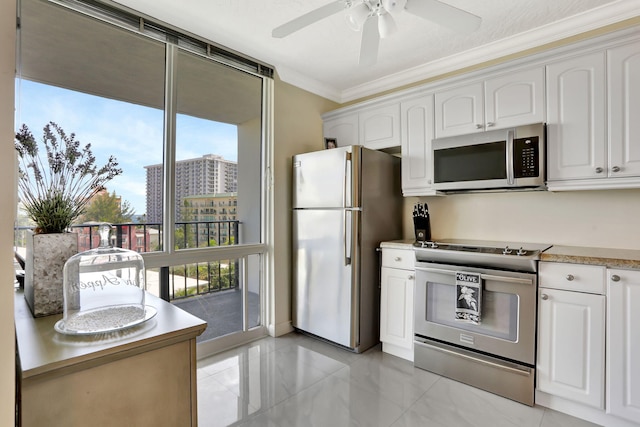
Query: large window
x,y
187,131
218,154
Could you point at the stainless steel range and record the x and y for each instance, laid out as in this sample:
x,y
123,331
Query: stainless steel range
x,y
475,313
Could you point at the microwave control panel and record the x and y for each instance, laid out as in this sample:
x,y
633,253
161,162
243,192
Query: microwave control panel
x,y
526,157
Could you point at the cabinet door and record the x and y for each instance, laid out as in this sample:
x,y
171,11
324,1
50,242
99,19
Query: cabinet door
x,y
623,72
343,128
576,112
380,127
514,99
459,111
571,345
417,133
396,307
623,344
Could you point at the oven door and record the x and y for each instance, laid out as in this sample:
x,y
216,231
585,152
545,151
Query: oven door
x,y
508,311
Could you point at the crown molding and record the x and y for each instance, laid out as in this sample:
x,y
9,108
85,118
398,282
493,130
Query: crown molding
x,y
578,24
317,87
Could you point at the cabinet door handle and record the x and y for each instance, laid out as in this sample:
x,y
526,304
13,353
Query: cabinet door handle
x,y
615,278
397,259
490,124
599,170
544,297
411,277
570,277
478,126
616,168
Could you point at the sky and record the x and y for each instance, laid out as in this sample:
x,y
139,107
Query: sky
x,y
132,133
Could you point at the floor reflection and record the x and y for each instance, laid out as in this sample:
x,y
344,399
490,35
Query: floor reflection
x,y
296,381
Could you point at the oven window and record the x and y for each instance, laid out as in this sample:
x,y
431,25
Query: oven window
x,y
499,316
471,162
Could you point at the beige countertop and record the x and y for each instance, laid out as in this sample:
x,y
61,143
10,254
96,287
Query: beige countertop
x,y
43,351
608,257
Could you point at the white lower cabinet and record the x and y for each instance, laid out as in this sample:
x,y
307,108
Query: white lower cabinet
x,y
589,342
571,345
623,344
571,332
396,302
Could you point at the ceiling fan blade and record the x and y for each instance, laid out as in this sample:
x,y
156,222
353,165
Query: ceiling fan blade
x,y
444,14
370,42
308,18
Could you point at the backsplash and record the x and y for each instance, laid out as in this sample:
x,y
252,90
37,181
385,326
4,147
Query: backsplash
x,y
607,218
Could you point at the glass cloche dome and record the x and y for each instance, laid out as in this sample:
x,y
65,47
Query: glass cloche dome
x,y
103,289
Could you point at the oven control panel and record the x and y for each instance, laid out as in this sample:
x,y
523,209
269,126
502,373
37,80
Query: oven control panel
x,y
481,253
476,249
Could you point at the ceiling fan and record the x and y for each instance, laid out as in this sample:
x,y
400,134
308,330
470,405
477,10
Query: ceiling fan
x,y
374,18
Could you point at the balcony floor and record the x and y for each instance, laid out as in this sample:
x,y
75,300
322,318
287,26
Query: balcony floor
x,y
222,311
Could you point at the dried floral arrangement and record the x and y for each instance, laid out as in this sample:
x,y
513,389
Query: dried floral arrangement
x,y
55,190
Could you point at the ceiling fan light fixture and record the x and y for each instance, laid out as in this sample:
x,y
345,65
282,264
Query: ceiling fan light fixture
x,y
386,25
393,6
357,15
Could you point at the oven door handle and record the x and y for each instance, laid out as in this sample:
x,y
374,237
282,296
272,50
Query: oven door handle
x,y
475,358
494,277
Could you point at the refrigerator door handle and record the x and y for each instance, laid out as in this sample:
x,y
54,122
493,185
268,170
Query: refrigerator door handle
x,y
346,187
347,237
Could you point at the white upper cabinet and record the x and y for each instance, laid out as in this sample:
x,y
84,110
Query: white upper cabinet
x,y
515,99
623,75
593,130
507,100
417,133
375,127
576,111
459,111
588,96
344,128
380,127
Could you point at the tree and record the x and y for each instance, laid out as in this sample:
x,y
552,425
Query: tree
x,y
185,234
105,207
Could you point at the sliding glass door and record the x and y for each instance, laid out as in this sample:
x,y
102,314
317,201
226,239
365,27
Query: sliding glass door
x,y
188,131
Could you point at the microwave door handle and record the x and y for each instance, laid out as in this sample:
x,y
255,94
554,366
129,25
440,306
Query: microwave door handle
x,y
510,166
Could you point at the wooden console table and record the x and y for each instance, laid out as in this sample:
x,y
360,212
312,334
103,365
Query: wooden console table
x,y
142,376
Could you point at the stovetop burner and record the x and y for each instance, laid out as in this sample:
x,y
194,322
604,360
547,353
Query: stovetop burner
x,y
482,253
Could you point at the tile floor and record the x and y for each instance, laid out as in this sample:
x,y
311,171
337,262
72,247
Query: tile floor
x,y
299,381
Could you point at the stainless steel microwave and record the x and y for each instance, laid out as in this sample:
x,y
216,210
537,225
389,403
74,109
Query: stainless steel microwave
x,y
507,159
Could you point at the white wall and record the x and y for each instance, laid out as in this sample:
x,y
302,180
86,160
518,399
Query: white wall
x,y
604,218
7,209
297,129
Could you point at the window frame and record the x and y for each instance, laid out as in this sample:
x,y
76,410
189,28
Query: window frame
x,y
174,42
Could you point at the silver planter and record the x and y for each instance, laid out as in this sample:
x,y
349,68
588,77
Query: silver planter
x,y
45,258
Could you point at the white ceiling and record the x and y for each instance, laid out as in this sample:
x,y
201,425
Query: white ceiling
x,y
323,58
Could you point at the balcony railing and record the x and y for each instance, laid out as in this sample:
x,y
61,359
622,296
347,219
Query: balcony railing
x,y
183,281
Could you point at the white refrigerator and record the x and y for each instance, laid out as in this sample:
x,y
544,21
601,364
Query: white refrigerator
x,y
345,202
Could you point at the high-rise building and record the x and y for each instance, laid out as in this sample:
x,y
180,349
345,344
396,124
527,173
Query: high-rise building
x,y
218,212
209,174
